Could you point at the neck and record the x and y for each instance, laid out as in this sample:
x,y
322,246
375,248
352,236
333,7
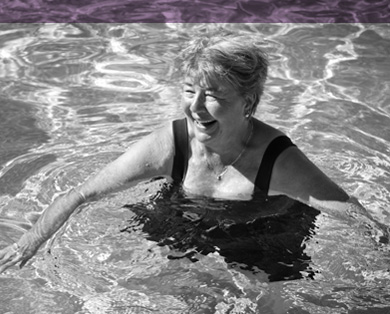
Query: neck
x,y
229,151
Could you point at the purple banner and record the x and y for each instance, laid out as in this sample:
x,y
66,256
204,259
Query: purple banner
x,y
198,11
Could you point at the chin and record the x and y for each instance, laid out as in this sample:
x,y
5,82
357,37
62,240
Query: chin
x,y
202,137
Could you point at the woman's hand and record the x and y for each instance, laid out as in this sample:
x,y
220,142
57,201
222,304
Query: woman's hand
x,y
48,223
354,212
14,254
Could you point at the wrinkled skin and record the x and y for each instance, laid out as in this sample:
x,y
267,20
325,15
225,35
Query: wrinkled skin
x,y
10,256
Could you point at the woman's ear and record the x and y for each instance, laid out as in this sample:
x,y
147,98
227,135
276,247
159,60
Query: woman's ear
x,y
250,104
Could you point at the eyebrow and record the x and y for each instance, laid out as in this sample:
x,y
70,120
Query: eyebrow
x,y
211,89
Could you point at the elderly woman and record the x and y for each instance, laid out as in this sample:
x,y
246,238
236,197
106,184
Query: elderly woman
x,y
218,150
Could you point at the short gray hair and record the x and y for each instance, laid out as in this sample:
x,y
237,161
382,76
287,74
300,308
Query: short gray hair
x,y
234,58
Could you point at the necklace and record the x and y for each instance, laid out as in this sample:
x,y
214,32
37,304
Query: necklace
x,y
219,176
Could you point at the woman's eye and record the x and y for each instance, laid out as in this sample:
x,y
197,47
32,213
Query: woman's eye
x,y
212,97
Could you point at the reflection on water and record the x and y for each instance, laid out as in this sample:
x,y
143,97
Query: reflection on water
x,y
263,235
74,96
221,11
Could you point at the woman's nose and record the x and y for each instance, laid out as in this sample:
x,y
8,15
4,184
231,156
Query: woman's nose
x,y
197,103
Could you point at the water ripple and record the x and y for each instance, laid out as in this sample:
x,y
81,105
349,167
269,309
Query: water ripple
x,y
75,96
162,11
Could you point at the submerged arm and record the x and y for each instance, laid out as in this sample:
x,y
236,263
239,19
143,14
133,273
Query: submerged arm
x,y
47,224
353,211
296,176
150,157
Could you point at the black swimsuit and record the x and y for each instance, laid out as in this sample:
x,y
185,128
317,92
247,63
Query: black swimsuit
x,y
263,178
265,233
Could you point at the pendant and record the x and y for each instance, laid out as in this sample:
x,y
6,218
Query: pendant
x,y
219,177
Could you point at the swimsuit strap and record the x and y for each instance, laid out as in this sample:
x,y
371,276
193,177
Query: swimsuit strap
x,y
274,149
180,160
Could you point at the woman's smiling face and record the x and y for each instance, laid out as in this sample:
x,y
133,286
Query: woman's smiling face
x,y
215,111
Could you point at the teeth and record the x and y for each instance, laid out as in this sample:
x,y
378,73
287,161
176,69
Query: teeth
x,y
203,124
204,121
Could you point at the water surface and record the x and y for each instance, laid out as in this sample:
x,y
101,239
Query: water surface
x,y
75,96
171,11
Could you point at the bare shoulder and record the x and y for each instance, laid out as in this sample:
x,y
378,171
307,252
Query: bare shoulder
x,y
296,176
150,156
162,137
265,132
155,149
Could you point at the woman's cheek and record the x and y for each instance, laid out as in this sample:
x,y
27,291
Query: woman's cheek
x,y
186,104
214,108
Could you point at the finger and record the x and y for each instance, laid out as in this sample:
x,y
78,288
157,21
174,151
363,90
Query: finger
x,y
10,258
10,248
24,262
3,253
10,263
5,266
6,257
8,253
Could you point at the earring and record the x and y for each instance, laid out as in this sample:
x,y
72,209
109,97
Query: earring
x,y
247,114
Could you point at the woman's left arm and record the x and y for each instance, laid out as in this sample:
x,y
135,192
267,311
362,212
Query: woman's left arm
x,y
296,176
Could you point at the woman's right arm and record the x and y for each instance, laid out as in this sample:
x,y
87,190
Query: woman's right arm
x,y
151,156
48,223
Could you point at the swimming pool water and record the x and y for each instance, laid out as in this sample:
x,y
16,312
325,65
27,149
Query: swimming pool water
x,y
221,11
74,96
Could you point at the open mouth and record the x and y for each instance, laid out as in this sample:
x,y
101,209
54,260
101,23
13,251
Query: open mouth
x,y
205,123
